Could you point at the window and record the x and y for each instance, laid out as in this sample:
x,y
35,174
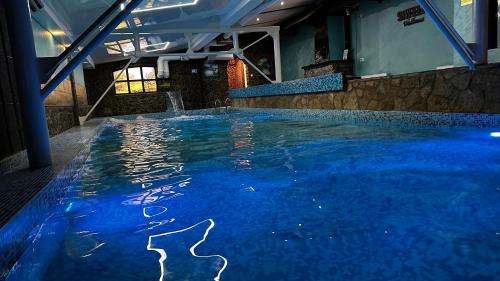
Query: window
x,y
135,80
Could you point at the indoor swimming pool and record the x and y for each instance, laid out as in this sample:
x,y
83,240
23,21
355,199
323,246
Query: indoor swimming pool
x,y
259,196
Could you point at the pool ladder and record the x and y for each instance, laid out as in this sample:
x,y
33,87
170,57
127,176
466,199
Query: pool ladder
x,y
227,104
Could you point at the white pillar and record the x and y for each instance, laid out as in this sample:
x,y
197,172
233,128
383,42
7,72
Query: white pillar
x,y
277,55
236,42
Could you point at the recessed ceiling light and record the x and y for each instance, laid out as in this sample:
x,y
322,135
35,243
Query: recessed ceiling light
x,y
282,3
258,19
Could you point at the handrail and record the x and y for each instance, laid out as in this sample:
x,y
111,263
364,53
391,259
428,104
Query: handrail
x,y
227,102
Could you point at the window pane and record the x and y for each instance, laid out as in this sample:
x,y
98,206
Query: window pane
x,y
121,87
143,43
123,76
136,87
127,46
134,73
122,25
113,49
150,86
148,73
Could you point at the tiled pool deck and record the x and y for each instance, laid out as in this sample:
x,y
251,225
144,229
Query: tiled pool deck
x,y
19,184
43,188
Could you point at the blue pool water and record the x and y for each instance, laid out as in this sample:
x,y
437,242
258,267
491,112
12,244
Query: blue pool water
x,y
252,197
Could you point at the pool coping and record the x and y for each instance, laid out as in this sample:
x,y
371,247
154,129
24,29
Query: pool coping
x,y
386,118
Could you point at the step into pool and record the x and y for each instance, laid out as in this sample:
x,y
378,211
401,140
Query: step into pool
x,y
257,195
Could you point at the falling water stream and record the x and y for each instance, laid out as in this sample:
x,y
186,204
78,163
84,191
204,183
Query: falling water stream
x,y
176,101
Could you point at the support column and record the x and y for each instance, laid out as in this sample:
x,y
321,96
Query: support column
x,y
36,133
277,56
481,31
236,42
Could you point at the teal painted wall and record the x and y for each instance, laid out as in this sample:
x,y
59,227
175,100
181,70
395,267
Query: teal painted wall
x,y
462,21
47,46
297,51
45,43
336,37
383,45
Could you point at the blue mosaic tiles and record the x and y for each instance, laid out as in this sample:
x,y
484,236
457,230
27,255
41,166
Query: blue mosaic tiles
x,y
319,84
23,228
386,118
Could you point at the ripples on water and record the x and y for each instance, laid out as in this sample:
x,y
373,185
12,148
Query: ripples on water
x,y
245,197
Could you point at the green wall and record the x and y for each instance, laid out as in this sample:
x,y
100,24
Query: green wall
x,y
462,21
45,43
383,45
336,37
297,50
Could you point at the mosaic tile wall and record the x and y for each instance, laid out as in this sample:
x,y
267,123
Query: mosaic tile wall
x,y
386,118
318,84
452,90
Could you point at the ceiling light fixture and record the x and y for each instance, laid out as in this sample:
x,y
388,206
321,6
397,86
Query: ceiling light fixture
x,y
155,50
181,4
282,3
258,19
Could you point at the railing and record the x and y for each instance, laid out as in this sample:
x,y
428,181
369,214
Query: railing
x,y
227,103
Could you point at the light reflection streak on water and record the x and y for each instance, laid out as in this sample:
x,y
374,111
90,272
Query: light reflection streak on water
x,y
148,147
147,214
145,157
163,253
243,143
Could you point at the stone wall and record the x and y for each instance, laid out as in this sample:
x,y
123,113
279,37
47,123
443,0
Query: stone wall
x,y
60,119
185,76
64,105
217,88
451,90
329,67
132,104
